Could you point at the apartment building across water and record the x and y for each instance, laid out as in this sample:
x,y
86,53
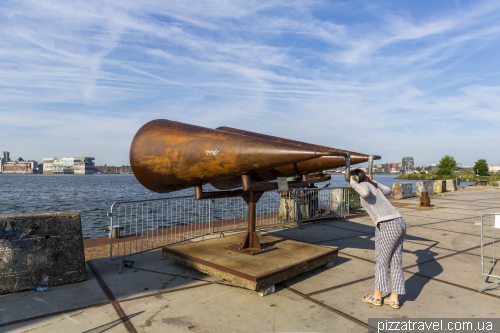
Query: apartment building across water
x,y
69,165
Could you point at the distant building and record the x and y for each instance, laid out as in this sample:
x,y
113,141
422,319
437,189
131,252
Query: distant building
x,y
493,168
408,164
19,166
112,168
4,159
464,167
6,156
69,165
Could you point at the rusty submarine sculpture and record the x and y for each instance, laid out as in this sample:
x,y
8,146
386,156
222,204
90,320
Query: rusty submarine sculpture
x,y
168,156
312,167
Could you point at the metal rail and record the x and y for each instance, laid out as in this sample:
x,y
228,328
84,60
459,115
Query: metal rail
x,y
144,225
495,225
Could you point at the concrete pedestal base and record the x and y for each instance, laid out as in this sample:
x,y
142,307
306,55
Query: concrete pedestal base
x,y
252,272
40,250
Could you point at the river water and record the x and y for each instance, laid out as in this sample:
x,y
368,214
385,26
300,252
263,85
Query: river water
x,y
93,195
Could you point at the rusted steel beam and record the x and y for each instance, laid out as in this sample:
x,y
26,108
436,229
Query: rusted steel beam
x,y
168,156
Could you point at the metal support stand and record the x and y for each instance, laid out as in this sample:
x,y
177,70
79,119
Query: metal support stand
x,y
251,244
370,165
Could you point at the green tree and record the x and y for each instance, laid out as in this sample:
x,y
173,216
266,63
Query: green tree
x,y
447,165
481,167
432,175
467,175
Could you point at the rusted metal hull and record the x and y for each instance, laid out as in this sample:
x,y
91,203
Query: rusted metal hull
x,y
309,166
169,156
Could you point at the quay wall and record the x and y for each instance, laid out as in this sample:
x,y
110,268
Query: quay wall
x,y
425,186
402,190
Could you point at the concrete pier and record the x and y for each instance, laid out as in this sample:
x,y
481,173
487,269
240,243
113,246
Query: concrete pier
x,y
441,265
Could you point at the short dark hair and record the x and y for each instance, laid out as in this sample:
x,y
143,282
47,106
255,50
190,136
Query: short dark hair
x,y
361,175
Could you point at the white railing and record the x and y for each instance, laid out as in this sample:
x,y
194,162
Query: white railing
x,y
489,231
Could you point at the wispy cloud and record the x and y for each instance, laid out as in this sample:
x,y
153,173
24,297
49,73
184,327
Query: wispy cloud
x,y
377,78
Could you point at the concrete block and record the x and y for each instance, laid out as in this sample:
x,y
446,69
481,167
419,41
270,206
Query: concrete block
x,y
402,190
338,199
451,185
301,206
267,290
425,186
354,199
439,186
40,249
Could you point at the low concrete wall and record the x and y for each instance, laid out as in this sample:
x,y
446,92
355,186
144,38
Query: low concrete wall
x,y
439,186
425,186
40,249
402,190
451,185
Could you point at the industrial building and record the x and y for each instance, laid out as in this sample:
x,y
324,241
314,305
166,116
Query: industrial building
x,y
18,166
69,165
408,164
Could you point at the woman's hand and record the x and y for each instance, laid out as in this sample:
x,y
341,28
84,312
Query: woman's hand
x,y
370,177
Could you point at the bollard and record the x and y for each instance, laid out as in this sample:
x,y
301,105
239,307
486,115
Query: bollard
x,y
425,201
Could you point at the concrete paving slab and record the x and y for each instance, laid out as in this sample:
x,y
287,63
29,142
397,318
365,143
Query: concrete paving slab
x,y
217,308
352,225
150,274
468,208
30,303
464,203
98,319
462,269
447,239
422,216
313,233
444,213
488,250
460,226
454,212
345,270
418,220
364,247
424,299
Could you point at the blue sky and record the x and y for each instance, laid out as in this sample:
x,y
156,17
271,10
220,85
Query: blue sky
x,y
400,78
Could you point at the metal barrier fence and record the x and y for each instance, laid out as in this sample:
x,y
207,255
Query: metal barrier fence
x,y
494,271
145,225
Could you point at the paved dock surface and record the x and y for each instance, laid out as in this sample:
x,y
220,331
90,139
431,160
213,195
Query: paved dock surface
x,y
441,263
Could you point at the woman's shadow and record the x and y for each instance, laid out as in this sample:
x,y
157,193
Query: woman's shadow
x,y
428,268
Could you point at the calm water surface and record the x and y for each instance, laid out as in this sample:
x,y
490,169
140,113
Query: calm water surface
x,y
93,195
